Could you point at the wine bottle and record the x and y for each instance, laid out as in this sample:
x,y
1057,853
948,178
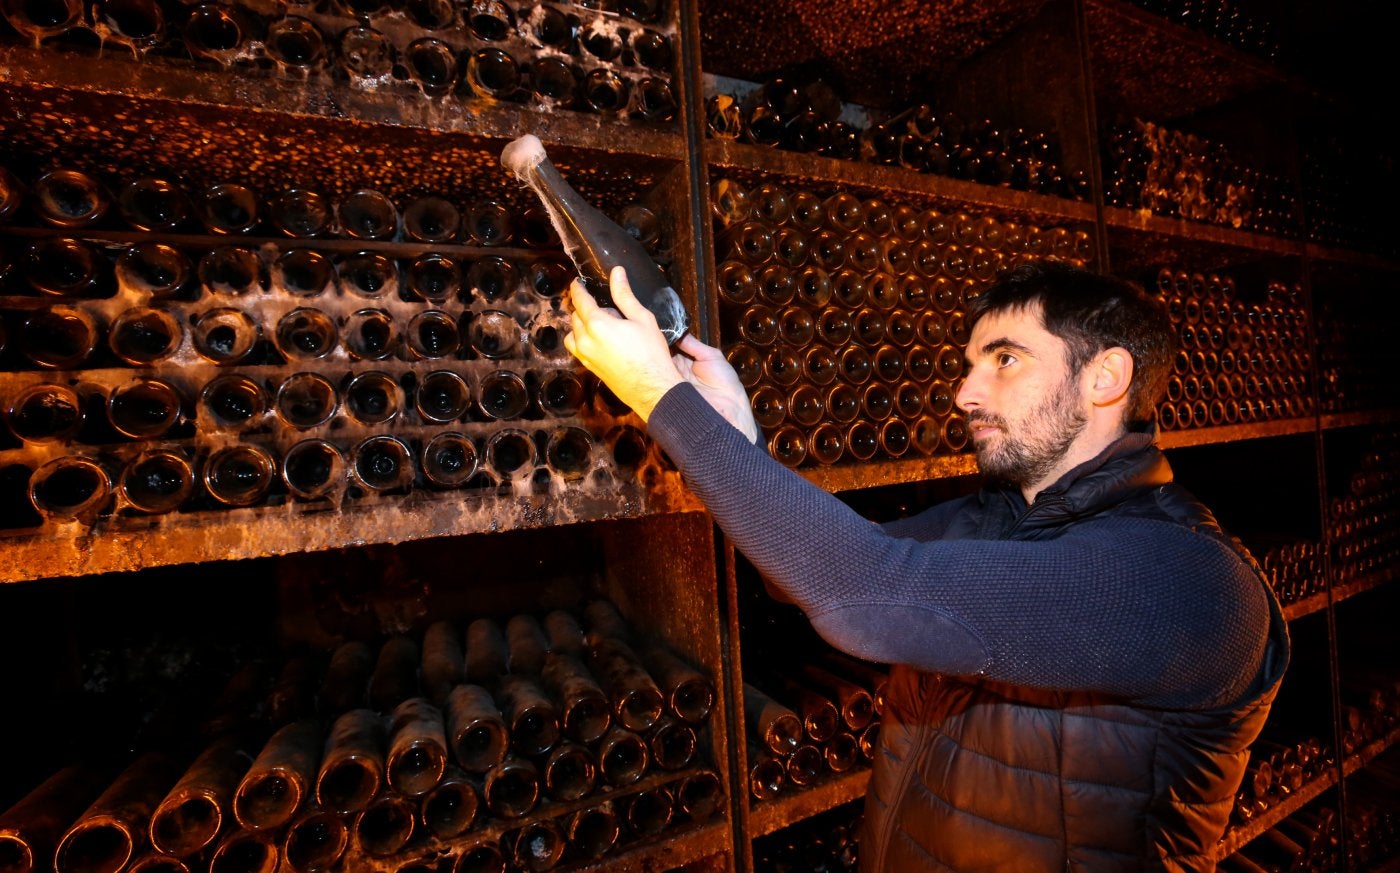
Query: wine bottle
x,y
649,811
529,714
32,827
591,833
475,729
690,695
315,841
623,756
636,699
114,828
512,787
395,675
593,241
770,723
417,755
353,761
699,794
278,780
569,772
538,845
384,827
585,713
451,806
444,660
347,678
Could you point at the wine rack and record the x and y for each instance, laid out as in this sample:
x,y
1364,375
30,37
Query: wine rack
x,y
1226,158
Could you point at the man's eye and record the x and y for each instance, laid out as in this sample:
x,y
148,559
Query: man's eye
x,y
1005,359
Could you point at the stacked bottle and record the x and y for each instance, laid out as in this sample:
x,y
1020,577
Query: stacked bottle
x,y
1339,176
580,57
1307,840
844,316
1370,706
1280,765
1364,520
827,841
1181,175
807,117
1236,362
1293,567
806,721
1242,28
1372,822
168,347
1351,348
528,742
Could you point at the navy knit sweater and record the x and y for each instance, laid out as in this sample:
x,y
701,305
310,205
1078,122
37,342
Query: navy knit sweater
x,y
1118,605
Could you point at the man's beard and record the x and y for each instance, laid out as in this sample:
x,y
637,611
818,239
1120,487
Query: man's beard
x,y
1043,438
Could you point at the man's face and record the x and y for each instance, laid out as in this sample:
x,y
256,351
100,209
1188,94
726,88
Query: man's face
x,y
1024,407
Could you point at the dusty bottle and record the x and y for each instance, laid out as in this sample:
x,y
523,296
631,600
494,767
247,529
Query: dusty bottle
x,y
31,828
451,806
114,828
475,728
776,727
584,711
353,762
280,777
315,841
385,826
593,241
417,755
591,833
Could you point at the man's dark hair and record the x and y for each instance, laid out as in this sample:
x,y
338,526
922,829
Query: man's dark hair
x,y
1092,312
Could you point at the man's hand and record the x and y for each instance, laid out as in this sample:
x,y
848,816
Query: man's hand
x,y
706,368
627,351
622,346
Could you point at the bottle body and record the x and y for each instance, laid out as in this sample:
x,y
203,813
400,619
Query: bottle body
x,y
595,242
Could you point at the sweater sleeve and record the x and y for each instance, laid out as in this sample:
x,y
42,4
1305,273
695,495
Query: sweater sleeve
x,y
1070,612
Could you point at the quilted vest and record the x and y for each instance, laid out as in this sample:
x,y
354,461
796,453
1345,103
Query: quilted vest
x,y
974,775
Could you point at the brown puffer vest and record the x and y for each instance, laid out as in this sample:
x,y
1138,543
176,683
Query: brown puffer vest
x,y
974,775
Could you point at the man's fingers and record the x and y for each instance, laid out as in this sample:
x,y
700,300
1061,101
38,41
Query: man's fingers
x,y
623,298
691,345
584,304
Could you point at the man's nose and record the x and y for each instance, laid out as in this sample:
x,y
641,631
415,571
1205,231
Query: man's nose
x,y
969,395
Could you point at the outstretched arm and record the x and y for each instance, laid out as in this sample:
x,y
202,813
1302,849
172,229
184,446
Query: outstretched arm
x,y
627,351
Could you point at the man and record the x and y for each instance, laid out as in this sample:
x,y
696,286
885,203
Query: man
x,y
1081,657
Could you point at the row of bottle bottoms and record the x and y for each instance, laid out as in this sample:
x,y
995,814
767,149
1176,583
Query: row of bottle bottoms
x,y
82,337
828,222
810,718
557,24
142,822
828,841
73,199
1308,839
81,487
77,269
1278,768
1365,520
490,52
780,114
566,706
143,408
1372,820
1150,166
1294,568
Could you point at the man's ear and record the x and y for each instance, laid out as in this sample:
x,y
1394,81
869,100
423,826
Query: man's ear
x,y
1110,374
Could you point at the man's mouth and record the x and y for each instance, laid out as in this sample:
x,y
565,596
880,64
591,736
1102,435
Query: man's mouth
x,y
980,429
